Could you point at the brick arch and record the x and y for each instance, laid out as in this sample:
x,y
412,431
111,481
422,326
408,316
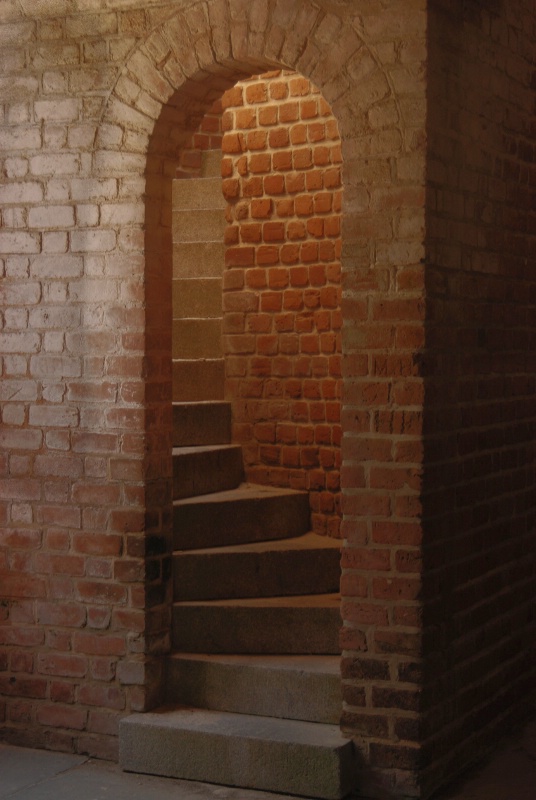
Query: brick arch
x,y
159,99
169,82
200,51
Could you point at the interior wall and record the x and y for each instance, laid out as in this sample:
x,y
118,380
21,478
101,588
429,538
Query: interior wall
x,y
282,320
480,413
96,108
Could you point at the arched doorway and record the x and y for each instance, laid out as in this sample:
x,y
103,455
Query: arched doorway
x,y
255,577
178,74
272,348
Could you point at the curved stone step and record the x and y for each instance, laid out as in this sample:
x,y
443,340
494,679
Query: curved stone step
x,y
289,625
246,514
300,758
289,687
205,469
308,564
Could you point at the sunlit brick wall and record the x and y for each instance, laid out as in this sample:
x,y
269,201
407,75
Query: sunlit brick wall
x,y
282,320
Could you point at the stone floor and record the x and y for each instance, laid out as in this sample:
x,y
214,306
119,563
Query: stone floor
x,y
41,775
510,773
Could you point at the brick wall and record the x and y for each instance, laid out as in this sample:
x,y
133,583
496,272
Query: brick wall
x,y
438,410
480,416
124,92
282,320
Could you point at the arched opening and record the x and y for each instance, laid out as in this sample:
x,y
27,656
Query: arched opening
x,y
257,222
177,80
255,613
262,223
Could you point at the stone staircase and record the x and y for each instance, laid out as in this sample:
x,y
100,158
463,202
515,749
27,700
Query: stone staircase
x,y
253,684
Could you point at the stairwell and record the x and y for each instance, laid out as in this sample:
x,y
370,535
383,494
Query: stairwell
x,y
253,683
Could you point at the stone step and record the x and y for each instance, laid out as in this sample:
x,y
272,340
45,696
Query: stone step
x,y
201,423
197,297
308,564
303,625
288,687
247,514
198,193
198,259
205,469
198,380
197,338
300,758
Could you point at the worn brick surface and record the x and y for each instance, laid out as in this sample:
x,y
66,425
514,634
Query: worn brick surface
x,y
282,320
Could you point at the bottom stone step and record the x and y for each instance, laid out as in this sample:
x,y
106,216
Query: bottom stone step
x,y
290,687
300,758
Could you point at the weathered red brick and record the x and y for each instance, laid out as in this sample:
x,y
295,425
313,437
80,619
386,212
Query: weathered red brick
x,y
101,696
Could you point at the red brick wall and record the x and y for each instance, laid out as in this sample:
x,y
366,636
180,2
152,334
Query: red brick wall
x,y
282,320
438,350
479,498
110,97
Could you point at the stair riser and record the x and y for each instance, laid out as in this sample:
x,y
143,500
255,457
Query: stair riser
x,y
202,472
197,297
201,424
270,692
198,259
216,524
198,380
151,745
228,629
199,225
265,574
197,338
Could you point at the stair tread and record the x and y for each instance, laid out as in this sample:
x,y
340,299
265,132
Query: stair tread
x,y
308,541
228,723
291,663
246,491
308,759
297,687
206,403
203,448
294,601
